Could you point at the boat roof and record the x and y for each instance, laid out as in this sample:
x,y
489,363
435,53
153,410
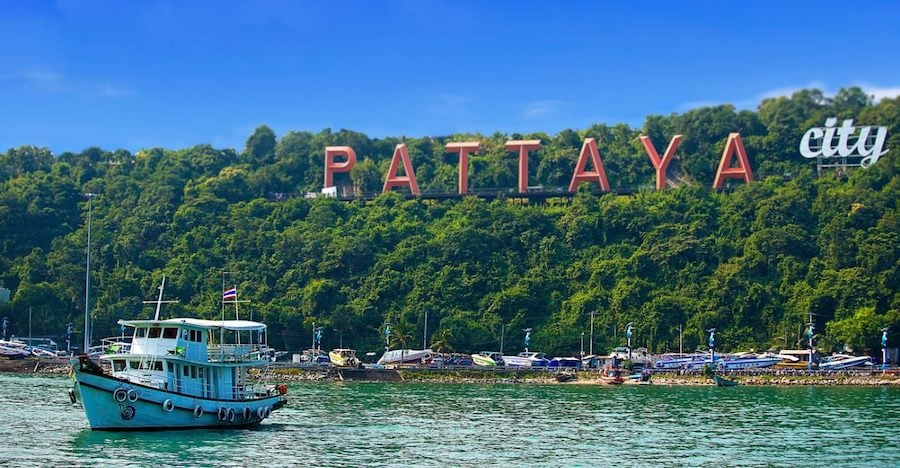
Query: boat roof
x,y
234,325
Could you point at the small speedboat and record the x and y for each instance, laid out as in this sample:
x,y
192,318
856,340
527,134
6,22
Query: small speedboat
x,y
343,357
483,359
526,359
844,361
405,356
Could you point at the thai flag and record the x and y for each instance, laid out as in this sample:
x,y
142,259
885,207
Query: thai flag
x,y
230,294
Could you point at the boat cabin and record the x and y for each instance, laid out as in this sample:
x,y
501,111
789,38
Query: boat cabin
x,y
203,358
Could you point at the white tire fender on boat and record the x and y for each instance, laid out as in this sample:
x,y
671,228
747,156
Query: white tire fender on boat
x,y
132,395
268,412
231,415
168,405
248,413
198,411
261,412
223,413
120,395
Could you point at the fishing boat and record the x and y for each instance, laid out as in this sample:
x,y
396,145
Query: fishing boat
x,y
722,381
178,373
343,357
611,376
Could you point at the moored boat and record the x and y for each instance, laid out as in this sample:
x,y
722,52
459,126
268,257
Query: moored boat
x,y
611,376
178,373
722,381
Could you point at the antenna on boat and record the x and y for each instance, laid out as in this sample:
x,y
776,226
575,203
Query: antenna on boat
x,y
159,302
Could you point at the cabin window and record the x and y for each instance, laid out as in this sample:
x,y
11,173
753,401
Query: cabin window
x,y
154,333
171,367
140,332
185,370
119,365
200,372
170,333
195,335
193,372
157,365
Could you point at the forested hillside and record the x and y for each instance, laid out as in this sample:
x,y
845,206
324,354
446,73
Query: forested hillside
x,y
752,261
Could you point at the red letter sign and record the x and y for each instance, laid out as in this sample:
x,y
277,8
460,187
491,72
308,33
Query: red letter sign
x,y
589,149
408,180
661,165
332,166
742,171
523,147
464,148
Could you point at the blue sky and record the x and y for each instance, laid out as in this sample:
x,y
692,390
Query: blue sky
x,y
136,74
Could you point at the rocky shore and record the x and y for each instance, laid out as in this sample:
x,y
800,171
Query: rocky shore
x,y
514,376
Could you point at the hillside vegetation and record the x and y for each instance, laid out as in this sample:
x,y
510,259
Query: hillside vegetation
x,y
752,261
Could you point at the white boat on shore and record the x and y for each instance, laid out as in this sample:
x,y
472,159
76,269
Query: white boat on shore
x,y
844,361
526,359
405,356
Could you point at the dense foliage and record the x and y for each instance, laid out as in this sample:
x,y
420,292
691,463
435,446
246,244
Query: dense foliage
x,y
753,261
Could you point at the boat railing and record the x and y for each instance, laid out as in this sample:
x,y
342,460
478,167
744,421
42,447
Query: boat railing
x,y
236,352
115,345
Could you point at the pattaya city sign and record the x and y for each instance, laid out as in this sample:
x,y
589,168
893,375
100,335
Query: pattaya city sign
x,y
844,142
734,163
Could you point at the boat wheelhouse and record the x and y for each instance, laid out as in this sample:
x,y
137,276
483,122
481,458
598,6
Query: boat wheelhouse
x,y
179,373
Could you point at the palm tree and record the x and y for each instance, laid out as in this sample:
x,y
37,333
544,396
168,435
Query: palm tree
x,y
401,333
442,340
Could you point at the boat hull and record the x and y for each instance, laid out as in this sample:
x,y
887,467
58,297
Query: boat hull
x,y
145,408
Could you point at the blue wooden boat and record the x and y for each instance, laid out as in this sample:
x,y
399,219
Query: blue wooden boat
x,y
178,374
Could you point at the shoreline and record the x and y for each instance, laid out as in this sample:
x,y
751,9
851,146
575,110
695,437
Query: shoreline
x,y
516,376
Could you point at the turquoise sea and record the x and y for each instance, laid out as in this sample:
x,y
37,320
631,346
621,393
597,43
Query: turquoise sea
x,y
334,424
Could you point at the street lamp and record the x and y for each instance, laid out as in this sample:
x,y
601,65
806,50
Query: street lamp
x,y
884,349
809,335
527,337
582,345
87,276
712,346
628,336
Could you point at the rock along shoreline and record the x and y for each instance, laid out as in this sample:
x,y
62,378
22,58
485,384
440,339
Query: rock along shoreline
x,y
763,377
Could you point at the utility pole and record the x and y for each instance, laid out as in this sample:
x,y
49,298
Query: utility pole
x,y
501,338
87,277
591,344
425,335
680,339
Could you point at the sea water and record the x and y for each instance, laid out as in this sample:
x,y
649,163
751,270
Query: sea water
x,y
327,424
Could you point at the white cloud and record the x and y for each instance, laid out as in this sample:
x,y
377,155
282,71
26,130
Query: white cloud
x,y
542,107
879,92
47,81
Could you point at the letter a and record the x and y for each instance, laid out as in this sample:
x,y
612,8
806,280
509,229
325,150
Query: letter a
x,y
332,166
661,164
394,180
464,149
598,175
742,171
